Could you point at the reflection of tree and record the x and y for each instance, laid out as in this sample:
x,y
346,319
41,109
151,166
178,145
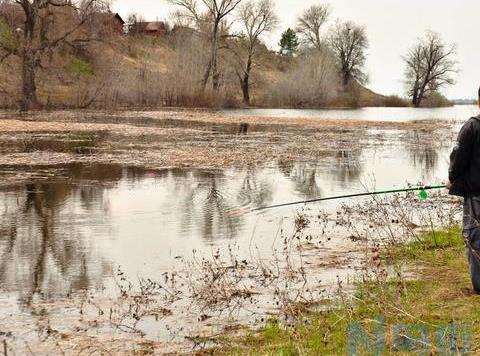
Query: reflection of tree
x,y
426,158
423,153
254,192
348,168
204,206
41,249
216,217
43,256
212,204
304,177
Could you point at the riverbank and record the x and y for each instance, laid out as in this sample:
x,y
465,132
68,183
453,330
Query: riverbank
x,y
426,305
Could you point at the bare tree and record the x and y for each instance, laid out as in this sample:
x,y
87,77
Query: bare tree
x,y
40,34
349,42
311,23
257,18
429,66
210,21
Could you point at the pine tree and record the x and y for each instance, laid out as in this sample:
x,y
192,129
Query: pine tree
x,y
288,43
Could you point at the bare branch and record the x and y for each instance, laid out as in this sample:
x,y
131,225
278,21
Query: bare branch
x,y
213,22
256,18
429,67
349,42
311,23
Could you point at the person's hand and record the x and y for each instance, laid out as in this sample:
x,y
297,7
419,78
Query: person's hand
x,y
449,184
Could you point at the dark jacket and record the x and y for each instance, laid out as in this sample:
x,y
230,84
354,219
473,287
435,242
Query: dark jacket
x,y
464,171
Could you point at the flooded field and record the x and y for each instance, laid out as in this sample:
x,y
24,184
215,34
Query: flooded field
x,y
97,223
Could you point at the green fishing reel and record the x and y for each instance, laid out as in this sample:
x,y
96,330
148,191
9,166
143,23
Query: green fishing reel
x,y
423,195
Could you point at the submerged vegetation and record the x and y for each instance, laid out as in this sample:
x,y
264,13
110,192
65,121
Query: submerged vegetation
x,y
198,139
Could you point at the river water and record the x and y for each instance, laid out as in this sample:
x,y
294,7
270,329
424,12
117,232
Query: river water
x,y
457,112
72,226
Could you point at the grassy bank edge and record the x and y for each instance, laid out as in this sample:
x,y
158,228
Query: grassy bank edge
x,y
424,283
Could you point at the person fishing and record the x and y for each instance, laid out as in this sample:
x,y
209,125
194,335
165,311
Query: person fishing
x,y
464,181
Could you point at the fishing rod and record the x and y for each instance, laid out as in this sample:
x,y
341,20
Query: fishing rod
x,y
423,195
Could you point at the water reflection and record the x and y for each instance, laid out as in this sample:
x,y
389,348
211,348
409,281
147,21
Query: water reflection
x,y
50,229
349,168
68,232
206,207
308,177
208,199
304,177
42,253
254,190
423,152
457,112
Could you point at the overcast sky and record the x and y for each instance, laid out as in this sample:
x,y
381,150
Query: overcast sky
x,y
392,27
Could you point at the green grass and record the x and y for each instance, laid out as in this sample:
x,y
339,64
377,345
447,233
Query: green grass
x,y
426,248
439,293
79,67
8,41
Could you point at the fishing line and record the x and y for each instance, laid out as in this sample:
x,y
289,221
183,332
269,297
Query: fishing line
x,y
422,193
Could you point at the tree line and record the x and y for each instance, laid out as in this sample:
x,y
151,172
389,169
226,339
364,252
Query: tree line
x,y
318,60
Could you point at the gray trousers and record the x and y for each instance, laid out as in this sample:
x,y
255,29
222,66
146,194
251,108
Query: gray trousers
x,y
471,235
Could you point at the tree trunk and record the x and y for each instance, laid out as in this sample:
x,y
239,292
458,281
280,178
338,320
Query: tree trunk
x,y
345,79
215,76
215,73
246,90
415,99
214,58
206,75
246,80
419,96
29,89
417,102
29,58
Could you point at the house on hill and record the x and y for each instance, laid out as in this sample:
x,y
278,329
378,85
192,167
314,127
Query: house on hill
x,y
155,28
118,24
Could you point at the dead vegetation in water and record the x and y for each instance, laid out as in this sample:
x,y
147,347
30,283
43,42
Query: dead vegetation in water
x,y
193,306
193,139
193,118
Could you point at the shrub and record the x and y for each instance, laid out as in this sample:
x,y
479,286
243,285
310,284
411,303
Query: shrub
x,y
8,40
79,67
395,101
345,100
436,100
311,81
